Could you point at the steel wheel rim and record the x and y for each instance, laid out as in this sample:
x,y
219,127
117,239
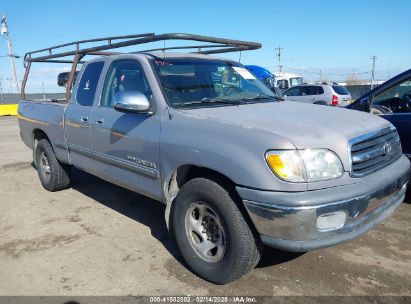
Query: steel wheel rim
x,y
45,166
205,232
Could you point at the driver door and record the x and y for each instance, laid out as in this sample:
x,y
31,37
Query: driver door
x,y
293,94
126,145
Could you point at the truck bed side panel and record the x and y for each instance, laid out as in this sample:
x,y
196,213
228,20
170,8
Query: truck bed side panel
x,y
47,117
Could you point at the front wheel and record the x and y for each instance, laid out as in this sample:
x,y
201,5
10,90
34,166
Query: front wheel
x,y
211,232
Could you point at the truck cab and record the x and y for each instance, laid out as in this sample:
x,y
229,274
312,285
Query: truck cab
x,y
287,80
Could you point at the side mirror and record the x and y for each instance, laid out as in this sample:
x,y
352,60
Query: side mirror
x,y
131,102
363,105
62,78
268,82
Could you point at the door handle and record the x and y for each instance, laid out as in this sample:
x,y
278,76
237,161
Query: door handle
x,y
99,121
84,119
312,99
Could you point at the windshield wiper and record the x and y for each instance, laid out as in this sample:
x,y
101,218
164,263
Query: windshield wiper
x,y
207,100
262,96
218,100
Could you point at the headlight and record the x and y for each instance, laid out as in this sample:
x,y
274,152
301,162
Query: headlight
x,y
321,164
308,165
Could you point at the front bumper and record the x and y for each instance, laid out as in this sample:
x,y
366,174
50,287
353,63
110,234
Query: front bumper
x,y
287,220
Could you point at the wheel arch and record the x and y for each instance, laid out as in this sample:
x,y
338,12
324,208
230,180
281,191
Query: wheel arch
x,y
321,102
38,134
187,172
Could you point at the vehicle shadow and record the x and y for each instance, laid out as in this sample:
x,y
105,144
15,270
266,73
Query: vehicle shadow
x,y
151,214
272,257
408,195
137,207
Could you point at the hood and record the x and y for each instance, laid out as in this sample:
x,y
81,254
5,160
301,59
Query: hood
x,y
304,125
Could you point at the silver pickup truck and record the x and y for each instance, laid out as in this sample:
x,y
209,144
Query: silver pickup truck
x,y
237,167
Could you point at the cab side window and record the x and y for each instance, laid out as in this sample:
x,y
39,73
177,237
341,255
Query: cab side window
x,y
283,84
88,84
124,75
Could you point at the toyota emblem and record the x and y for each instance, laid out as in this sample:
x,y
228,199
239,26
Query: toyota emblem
x,y
386,148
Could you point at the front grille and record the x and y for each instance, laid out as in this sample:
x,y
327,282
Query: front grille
x,y
374,151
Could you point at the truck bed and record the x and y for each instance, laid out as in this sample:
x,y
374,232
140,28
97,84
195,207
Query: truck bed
x,y
43,116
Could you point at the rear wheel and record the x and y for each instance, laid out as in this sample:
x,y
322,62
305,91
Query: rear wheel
x,y
211,232
53,175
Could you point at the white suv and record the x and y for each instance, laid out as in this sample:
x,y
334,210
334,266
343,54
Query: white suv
x,y
330,94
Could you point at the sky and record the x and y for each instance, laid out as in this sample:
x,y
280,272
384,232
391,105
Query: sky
x,y
337,38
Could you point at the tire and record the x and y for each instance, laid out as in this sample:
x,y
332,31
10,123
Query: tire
x,y
237,250
53,175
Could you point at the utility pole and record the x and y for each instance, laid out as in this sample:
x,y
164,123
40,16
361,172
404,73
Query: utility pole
x,y
280,67
11,87
354,77
44,94
5,32
1,90
353,74
320,76
373,71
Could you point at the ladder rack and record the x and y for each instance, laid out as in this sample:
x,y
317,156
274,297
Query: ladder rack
x,y
55,54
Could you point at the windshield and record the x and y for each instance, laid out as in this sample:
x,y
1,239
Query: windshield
x,y
296,81
198,81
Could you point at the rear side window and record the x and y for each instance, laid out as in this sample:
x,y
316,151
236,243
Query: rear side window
x,y
309,90
340,90
320,90
88,84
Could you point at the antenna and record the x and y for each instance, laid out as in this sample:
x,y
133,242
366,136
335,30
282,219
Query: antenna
x,y
5,32
280,67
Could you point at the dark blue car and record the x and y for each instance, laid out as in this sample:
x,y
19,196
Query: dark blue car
x,y
392,101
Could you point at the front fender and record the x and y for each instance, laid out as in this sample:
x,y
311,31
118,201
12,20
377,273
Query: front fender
x,y
237,153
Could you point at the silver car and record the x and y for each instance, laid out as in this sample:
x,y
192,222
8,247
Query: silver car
x,y
327,94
